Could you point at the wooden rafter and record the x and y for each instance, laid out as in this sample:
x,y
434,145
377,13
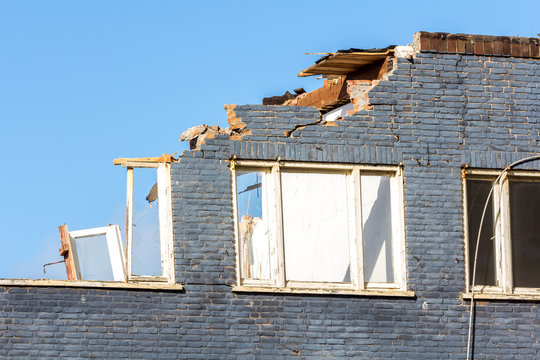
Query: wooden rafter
x,y
344,63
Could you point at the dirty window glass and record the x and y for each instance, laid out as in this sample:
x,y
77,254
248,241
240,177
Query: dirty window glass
x,y
254,230
146,252
377,228
477,193
525,232
316,227
94,259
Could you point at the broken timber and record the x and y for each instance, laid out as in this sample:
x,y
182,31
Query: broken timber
x,y
67,252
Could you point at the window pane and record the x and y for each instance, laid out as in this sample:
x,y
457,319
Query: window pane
x,y
377,228
253,225
316,227
146,252
477,193
525,232
93,256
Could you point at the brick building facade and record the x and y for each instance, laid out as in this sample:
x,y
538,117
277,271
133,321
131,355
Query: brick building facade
x,y
446,107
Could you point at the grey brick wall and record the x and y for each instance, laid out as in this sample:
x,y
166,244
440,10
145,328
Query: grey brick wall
x,y
434,115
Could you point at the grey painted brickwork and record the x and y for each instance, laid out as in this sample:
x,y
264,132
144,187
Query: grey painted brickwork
x,y
434,115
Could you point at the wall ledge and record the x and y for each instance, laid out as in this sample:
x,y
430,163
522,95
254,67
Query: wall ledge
x,y
92,284
499,296
289,290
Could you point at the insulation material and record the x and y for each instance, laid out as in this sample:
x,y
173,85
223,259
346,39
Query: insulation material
x,y
377,228
316,227
255,239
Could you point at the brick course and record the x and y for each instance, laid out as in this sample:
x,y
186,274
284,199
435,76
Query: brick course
x,y
517,47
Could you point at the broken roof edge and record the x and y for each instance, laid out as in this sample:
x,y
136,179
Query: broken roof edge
x,y
343,62
346,61
197,135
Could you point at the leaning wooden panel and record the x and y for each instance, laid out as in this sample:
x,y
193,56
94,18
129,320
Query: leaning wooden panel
x,y
67,253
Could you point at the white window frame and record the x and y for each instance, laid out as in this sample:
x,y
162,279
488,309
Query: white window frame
x,y
163,170
114,245
503,241
357,285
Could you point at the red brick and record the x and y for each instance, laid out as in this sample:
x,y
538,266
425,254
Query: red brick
x,y
524,47
443,42
469,45
515,47
498,46
461,40
478,43
534,48
506,50
452,43
488,45
424,41
433,42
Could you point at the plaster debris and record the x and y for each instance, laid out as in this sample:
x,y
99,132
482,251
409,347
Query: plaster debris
x,y
404,52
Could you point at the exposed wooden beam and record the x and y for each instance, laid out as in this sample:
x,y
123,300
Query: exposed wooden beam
x,y
331,92
162,158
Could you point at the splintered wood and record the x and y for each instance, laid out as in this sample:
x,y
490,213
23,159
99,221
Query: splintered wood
x,y
66,252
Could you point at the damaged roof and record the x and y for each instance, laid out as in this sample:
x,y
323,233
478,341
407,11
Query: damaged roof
x,y
344,62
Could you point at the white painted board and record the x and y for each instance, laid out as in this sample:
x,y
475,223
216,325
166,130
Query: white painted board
x,y
377,228
316,227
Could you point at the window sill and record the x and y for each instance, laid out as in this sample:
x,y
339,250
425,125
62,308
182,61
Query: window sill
x,y
289,290
500,296
92,284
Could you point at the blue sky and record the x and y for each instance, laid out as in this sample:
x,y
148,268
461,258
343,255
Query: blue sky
x,y
84,82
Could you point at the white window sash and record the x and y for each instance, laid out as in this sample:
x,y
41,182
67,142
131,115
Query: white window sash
x,y
114,245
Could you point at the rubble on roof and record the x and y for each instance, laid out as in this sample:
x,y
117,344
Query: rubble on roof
x,y
278,100
349,75
196,135
283,99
